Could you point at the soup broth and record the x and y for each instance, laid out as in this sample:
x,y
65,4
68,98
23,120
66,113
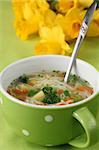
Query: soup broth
x,y
48,88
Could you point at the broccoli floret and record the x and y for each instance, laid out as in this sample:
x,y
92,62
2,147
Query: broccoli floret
x,y
23,79
51,96
66,92
51,99
47,90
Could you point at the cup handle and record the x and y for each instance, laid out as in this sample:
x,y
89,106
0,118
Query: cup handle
x,y
88,122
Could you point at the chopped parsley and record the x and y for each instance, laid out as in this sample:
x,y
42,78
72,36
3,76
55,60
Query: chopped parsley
x,y
23,78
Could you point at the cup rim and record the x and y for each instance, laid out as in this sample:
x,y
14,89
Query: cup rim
x,y
4,92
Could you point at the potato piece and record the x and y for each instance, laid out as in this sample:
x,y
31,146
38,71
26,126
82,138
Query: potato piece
x,y
39,96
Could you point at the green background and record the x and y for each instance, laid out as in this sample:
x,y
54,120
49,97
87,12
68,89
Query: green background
x,y
11,49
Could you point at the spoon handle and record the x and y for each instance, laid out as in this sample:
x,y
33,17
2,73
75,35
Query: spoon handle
x,y
81,36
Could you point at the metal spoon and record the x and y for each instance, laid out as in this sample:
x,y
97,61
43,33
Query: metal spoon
x,y
81,36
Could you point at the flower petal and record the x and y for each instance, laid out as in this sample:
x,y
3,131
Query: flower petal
x,y
52,42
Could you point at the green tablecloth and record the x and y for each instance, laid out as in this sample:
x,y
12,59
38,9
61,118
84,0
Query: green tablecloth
x,y
11,49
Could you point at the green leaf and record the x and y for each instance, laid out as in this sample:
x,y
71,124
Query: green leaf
x,y
53,4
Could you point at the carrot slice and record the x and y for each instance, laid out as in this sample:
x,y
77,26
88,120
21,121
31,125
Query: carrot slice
x,y
60,91
60,104
25,91
17,91
69,101
85,88
30,83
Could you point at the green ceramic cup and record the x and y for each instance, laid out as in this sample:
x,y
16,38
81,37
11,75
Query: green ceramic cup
x,y
74,124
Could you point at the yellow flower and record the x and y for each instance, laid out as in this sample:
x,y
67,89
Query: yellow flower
x,y
52,42
60,21
41,4
83,3
64,5
49,18
18,8
29,16
25,29
70,23
94,26
32,16
73,21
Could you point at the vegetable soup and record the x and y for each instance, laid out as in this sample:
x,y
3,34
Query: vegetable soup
x,y
48,88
